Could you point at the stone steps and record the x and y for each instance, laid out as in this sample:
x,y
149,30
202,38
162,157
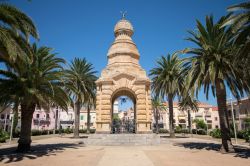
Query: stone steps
x,y
123,139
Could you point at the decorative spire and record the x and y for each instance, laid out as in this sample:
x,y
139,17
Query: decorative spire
x,y
123,14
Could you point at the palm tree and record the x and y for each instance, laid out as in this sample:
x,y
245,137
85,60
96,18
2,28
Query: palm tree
x,y
91,103
167,81
80,83
36,82
158,107
213,65
188,103
15,30
239,22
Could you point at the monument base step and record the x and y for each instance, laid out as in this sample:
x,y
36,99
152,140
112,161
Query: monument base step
x,y
123,139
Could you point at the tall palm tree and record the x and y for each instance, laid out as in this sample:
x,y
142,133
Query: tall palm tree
x,y
188,103
91,103
213,66
158,107
36,82
239,22
80,83
167,81
15,29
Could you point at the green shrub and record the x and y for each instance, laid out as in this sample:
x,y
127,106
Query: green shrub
x,y
215,133
177,129
163,130
92,131
194,131
35,132
16,133
240,134
201,132
83,131
3,136
44,132
51,131
200,124
244,134
184,131
68,131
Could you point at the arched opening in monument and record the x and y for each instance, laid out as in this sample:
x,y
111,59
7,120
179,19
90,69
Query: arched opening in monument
x,y
123,115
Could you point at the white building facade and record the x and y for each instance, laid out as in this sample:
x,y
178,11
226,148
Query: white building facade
x,y
205,112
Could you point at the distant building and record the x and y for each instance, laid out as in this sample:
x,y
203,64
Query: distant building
x,y
66,118
115,107
130,114
5,118
84,116
46,120
206,112
241,110
43,119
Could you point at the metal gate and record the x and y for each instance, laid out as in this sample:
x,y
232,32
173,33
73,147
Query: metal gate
x,y
123,126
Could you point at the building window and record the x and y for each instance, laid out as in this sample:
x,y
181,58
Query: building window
x,y
8,117
2,116
70,116
37,116
216,127
216,118
81,117
47,116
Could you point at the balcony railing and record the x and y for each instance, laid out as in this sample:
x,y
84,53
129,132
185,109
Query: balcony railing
x,y
182,115
41,121
209,121
2,121
66,121
208,115
198,115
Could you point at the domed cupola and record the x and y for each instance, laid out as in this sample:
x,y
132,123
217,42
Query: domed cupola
x,y
123,27
123,50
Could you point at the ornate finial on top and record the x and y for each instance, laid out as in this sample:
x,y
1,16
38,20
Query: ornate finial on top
x,y
123,14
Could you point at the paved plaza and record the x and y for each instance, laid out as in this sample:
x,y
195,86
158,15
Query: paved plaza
x,y
60,151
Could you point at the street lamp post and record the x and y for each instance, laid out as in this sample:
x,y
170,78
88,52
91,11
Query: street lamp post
x,y
11,130
235,135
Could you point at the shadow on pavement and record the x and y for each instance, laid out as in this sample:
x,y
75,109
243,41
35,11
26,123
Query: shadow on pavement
x,y
9,155
167,136
239,151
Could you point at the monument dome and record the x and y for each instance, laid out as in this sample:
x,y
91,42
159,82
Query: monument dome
x,y
123,49
123,26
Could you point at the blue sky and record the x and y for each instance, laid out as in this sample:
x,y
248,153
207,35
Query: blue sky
x,y
84,28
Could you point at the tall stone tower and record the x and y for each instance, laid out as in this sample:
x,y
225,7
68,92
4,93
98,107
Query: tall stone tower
x,y
123,75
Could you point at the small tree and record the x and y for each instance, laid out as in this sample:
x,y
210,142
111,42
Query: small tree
x,y
167,81
158,109
188,103
200,124
80,83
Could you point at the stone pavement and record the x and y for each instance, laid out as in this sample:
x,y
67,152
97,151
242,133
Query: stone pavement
x,y
60,151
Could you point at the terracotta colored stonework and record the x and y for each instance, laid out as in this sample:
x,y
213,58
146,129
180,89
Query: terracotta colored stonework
x,y
123,75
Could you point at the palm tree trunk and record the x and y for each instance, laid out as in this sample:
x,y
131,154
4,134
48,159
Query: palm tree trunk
x,y
56,120
26,121
88,119
189,122
223,116
171,116
15,118
156,121
77,108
